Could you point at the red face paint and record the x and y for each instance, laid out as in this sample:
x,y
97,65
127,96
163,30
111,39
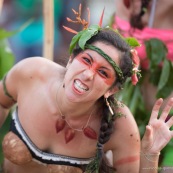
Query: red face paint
x,y
127,160
97,67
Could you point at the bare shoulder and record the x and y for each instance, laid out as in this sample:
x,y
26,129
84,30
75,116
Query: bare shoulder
x,y
37,64
22,75
125,116
35,67
125,128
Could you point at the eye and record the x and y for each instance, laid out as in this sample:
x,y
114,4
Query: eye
x,y
103,73
87,60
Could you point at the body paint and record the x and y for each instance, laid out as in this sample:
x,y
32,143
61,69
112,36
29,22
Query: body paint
x,y
127,160
95,66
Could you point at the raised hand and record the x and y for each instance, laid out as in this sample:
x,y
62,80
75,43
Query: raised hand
x,y
158,132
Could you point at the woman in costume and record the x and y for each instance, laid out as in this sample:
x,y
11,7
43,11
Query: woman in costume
x,y
150,21
67,118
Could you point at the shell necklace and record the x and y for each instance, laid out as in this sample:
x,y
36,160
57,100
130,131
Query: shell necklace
x,y
70,131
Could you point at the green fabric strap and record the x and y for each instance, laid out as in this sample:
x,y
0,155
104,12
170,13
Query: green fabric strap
x,y
5,88
108,58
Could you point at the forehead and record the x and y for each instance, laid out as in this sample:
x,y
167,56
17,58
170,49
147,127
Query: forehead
x,y
110,50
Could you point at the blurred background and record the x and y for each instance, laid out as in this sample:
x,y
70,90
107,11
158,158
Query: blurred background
x,y
29,42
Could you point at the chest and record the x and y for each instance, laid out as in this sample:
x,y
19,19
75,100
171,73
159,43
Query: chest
x,y
40,126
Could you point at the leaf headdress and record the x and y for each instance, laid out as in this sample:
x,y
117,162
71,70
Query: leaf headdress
x,y
83,36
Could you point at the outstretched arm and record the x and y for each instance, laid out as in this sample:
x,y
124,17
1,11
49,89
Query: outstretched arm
x,y
156,137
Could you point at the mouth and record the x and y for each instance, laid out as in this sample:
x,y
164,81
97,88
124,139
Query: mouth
x,y
80,87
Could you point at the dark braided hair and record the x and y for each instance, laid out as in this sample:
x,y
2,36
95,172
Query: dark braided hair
x,y
109,37
135,20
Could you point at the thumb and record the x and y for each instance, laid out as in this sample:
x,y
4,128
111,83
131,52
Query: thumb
x,y
147,139
148,132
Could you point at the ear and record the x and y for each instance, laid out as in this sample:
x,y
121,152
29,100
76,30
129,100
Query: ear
x,y
111,91
69,62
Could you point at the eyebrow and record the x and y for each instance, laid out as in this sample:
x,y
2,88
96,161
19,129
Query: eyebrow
x,y
93,61
90,56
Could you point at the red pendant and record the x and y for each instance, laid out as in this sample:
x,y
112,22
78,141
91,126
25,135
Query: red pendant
x,y
60,124
69,134
90,133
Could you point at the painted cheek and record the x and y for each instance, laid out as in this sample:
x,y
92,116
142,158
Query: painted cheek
x,y
82,61
109,81
94,67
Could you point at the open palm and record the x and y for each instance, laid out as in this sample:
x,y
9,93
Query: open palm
x,y
158,132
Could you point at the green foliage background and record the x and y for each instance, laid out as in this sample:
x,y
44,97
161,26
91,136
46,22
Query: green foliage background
x,y
160,72
6,62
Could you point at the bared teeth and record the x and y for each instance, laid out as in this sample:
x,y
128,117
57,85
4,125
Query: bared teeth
x,y
80,86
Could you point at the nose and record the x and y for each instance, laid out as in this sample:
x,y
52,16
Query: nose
x,y
88,74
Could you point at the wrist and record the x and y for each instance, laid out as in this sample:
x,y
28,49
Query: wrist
x,y
150,156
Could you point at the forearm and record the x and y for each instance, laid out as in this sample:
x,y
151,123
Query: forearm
x,y
149,163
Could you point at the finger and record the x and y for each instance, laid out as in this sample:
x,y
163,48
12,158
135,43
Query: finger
x,y
147,139
167,109
155,109
170,122
148,133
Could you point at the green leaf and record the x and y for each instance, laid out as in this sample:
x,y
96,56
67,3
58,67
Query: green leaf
x,y
155,76
6,58
132,42
74,41
167,89
92,30
5,34
135,99
83,36
164,75
94,27
156,52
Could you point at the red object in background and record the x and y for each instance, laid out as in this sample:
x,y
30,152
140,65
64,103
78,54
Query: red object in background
x,y
127,3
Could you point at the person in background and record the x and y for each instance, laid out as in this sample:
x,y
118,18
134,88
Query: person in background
x,y
141,19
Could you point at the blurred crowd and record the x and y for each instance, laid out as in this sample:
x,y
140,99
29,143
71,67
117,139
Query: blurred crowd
x,y
29,42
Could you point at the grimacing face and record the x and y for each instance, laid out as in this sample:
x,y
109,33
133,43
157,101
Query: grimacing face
x,y
89,75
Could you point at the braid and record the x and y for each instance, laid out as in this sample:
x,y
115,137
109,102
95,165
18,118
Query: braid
x,y
135,20
106,123
100,163
106,129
